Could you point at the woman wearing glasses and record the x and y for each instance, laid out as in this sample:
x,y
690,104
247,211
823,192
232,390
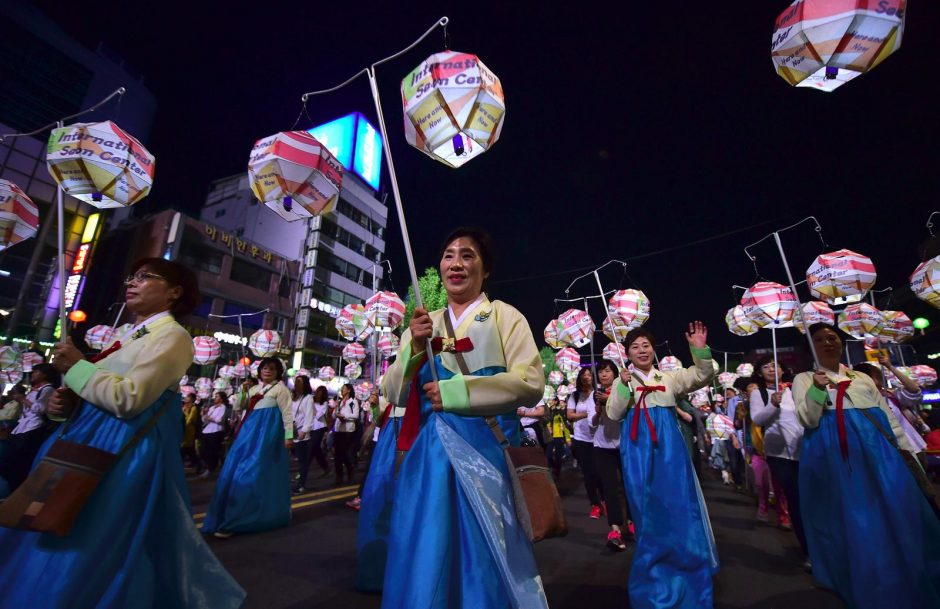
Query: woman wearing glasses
x,y
134,543
871,534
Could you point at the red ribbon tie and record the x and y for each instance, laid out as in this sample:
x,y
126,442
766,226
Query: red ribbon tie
x,y
641,407
841,388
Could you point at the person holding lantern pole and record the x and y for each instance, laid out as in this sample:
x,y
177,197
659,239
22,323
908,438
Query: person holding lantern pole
x,y
455,538
253,490
675,555
871,533
134,542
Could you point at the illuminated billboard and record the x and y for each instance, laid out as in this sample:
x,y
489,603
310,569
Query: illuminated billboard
x,y
355,143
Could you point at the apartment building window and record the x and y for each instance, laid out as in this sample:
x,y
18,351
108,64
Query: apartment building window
x,y
197,255
250,274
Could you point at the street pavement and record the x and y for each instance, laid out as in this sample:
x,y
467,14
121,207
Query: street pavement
x,y
311,563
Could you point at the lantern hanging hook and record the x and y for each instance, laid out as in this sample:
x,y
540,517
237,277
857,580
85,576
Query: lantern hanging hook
x,y
446,36
118,91
930,222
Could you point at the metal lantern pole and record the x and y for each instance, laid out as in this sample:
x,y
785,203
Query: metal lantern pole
x,y
773,334
60,236
593,367
600,290
786,266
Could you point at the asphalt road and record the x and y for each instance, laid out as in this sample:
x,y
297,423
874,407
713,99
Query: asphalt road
x,y
311,562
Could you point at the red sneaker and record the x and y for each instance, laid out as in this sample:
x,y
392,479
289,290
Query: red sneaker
x,y
785,524
595,512
615,541
631,529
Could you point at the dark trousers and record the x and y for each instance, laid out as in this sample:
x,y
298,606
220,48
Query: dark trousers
x,y
610,470
303,451
19,456
736,460
211,449
786,473
556,454
189,454
539,430
584,453
316,448
342,454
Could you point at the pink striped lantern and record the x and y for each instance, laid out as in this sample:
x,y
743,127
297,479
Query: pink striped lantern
x,y
354,352
97,337
925,281
670,362
840,277
615,328
576,327
719,425
385,310
241,371
630,306
353,324
563,392
551,335
556,377
326,373
352,371
227,372
813,312
860,320
188,390
568,360
897,327
203,388
264,343
302,372
30,359
253,368
184,380
388,344
206,350
738,322
19,216
745,370
222,385
727,379
769,304
548,394
363,390
615,352
295,175
924,375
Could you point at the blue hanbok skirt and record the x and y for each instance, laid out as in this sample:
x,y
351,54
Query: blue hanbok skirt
x,y
253,491
455,542
675,554
871,534
134,543
375,512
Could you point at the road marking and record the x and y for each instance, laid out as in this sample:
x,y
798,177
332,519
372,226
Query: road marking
x,y
335,494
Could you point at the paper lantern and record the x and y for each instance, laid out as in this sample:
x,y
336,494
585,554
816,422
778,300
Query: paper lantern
x,y
925,281
122,332
19,216
188,390
632,307
352,371
253,368
31,359
615,328
768,304
264,343
354,352
294,175
745,370
575,327
353,323
563,392
572,376
10,357
813,312
551,335
669,362
241,371
615,352
227,372
363,390
840,277
388,344
12,374
719,426
206,350
98,337
568,360
453,107
100,164
727,379
860,320
385,310
823,44
738,323
556,377
924,375
203,388
222,385
326,373
700,398
184,380
897,326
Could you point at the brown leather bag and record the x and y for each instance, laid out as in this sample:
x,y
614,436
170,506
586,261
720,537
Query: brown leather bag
x,y
538,504
52,497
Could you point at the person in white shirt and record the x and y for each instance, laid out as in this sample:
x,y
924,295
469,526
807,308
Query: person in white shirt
x,y
302,405
213,432
607,459
321,415
531,421
908,397
347,414
32,429
581,409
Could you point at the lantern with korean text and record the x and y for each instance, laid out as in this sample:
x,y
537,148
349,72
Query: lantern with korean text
x,y
860,320
769,304
385,310
568,360
813,312
738,322
631,307
576,328
840,277
925,281
353,323
19,216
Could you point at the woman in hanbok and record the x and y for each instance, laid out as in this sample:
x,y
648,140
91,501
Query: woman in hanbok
x,y
253,490
871,533
455,540
675,555
134,543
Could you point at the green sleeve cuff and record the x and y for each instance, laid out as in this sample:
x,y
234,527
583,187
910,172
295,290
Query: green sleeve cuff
x,y
79,375
454,395
288,434
703,353
411,362
820,396
623,391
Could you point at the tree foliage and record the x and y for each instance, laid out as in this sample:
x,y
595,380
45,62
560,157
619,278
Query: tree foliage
x,y
548,360
432,293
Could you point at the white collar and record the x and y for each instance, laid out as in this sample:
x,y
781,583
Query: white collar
x,y
645,377
149,320
459,320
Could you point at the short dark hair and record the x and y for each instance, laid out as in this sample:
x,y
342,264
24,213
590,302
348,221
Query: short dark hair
x,y
817,327
866,368
48,370
18,389
321,391
636,333
176,275
482,240
278,365
606,364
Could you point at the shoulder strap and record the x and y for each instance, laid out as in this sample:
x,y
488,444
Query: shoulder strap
x,y
165,402
889,437
764,395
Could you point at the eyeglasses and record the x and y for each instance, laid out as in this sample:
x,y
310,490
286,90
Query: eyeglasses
x,y
142,276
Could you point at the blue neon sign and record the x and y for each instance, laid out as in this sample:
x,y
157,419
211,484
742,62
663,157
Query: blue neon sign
x,y
355,143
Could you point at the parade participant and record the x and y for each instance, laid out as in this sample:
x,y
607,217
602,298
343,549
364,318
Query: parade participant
x,y
871,534
675,555
134,543
581,409
320,427
560,435
532,421
455,539
252,493
32,429
190,421
347,415
11,410
213,432
606,453
773,409
302,410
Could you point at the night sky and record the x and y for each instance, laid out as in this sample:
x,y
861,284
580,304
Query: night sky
x,y
652,129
